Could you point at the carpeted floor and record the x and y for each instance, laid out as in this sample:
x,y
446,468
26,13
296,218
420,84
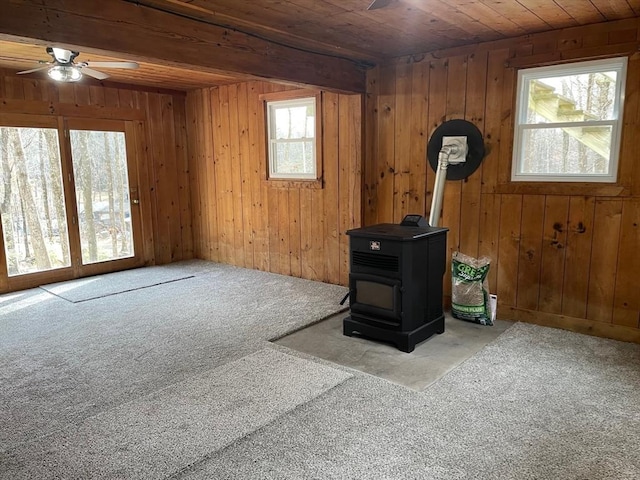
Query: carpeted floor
x,y
62,362
177,427
178,380
538,403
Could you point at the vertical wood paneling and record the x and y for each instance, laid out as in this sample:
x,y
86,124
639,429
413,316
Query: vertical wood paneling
x,y
419,170
259,198
509,85
66,94
554,246
207,181
578,256
530,255
291,230
472,186
455,107
316,258
345,179
97,96
402,152
558,256
509,248
239,247
275,263
352,160
437,113
451,204
371,146
82,94
383,163
185,242
223,173
331,153
194,163
489,235
171,174
604,260
283,256
14,88
307,267
246,177
32,90
295,265
111,97
125,98
159,203
630,171
145,194
626,305
489,228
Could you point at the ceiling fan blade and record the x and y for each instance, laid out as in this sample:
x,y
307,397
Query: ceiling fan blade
x,y
113,64
376,4
34,70
94,73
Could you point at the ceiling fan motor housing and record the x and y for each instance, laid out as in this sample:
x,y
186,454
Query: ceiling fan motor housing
x,y
62,56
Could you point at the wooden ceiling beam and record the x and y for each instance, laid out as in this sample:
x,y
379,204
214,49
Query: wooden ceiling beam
x,y
119,28
200,9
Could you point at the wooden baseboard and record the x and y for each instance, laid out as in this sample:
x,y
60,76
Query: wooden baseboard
x,y
578,325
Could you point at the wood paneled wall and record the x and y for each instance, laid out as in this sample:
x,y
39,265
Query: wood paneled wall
x,y
160,136
563,255
243,219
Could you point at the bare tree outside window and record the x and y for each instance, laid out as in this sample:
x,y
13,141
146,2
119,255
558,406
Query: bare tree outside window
x,y
30,193
102,193
568,122
292,138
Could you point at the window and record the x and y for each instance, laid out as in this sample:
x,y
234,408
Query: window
x,y
292,138
568,122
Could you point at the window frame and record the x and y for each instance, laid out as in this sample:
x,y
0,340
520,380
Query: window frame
x,y
525,76
290,180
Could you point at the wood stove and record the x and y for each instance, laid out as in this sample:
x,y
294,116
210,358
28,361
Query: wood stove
x,y
395,282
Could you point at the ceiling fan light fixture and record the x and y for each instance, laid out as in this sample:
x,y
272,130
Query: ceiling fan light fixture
x,y
65,73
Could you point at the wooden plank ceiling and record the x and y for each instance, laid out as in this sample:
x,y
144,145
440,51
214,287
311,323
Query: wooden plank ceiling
x,y
320,32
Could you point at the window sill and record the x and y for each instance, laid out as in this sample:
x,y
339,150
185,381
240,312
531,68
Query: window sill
x,y
563,188
284,183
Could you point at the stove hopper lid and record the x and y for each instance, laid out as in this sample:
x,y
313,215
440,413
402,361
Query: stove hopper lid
x,y
395,232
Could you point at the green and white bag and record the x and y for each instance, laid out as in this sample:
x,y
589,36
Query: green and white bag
x,y
470,299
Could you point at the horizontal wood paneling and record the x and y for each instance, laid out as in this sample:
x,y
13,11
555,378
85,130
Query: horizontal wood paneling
x,y
561,254
160,136
242,219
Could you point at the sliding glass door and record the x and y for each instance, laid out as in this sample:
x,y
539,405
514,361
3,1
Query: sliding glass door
x,y
65,199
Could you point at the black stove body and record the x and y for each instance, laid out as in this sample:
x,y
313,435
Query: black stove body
x,y
395,283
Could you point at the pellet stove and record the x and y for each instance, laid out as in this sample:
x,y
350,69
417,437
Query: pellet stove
x,y
395,282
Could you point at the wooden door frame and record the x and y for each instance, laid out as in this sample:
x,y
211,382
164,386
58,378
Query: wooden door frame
x,y
63,124
81,270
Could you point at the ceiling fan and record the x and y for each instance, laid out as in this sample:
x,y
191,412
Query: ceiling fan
x,y
63,68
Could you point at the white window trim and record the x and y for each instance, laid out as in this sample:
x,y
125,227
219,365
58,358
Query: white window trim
x,y
273,143
619,65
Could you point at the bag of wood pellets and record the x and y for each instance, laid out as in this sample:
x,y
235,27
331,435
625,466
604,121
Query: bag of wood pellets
x,y
470,298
